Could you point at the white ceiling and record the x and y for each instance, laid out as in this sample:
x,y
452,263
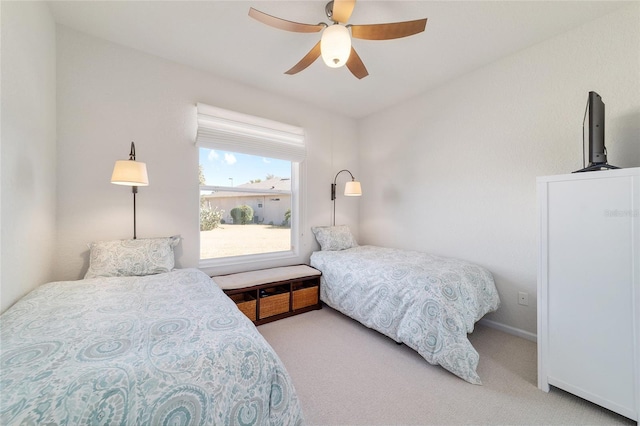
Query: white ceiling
x,y
219,36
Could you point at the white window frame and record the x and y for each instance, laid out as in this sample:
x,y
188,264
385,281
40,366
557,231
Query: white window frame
x,y
226,130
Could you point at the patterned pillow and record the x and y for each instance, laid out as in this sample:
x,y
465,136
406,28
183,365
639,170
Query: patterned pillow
x,y
123,258
334,237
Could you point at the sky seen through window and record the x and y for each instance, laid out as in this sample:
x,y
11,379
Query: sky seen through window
x,y
222,168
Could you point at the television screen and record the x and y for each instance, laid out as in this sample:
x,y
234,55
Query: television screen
x,y
595,131
597,152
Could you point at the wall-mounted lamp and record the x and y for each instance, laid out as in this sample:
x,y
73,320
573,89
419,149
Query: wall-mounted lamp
x,y
131,173
351,189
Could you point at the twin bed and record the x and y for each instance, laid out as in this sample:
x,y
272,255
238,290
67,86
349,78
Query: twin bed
x,y
137,342
427,302
167,348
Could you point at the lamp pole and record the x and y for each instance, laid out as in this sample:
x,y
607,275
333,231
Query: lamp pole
x,y
134,188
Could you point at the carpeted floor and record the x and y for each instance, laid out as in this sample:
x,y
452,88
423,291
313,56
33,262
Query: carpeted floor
x,y
345,373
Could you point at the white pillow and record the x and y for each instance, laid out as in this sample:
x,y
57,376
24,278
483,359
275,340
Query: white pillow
x,y
122,258
334,237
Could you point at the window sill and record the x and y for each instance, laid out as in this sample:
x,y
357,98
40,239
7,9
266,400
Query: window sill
x,y
247,259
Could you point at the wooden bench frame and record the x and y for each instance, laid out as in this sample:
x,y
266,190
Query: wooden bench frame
x,y
275,300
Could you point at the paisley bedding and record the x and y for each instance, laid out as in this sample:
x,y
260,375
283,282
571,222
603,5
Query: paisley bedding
x,y
427,302
159,349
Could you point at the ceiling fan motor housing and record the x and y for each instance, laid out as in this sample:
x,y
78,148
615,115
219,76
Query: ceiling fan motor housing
x,y
328,9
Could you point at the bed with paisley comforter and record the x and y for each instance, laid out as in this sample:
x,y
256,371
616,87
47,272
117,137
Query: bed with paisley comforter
x,y
160,349
427,302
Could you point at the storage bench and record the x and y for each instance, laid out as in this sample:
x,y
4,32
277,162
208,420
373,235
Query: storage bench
x,y
271,294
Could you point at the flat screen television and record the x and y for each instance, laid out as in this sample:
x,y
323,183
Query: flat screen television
x,y
595,130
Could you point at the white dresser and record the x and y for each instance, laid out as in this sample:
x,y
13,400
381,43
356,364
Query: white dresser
x,y
589,287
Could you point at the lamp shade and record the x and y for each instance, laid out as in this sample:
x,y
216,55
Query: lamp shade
x,y
335,45
352,189
130,173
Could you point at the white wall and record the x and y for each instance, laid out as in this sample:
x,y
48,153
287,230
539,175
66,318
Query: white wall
x,y
110,95
454,169
28,150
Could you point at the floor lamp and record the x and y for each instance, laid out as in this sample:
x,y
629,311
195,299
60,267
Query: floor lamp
x,y
131,173
351,189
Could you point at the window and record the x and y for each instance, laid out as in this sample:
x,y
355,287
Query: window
x,y
252,217
249,187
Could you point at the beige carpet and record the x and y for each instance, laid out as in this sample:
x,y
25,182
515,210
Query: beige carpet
x,y
345,373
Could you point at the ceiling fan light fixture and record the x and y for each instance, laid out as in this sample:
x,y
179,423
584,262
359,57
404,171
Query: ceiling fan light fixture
x,y
335,45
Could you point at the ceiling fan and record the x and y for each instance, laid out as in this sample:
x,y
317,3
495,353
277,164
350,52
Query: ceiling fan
x,y
335,45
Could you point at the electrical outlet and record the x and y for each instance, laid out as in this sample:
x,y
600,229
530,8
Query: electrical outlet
x,y
523,298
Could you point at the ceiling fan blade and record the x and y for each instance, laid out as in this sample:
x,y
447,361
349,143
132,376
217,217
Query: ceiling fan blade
x,y
388,31
309,58
283,24
356,66
342,10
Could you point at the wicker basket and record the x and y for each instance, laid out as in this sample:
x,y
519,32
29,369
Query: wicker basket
x,y
305,297
274,305
246,304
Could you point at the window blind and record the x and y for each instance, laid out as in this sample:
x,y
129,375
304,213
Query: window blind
x,y
226,130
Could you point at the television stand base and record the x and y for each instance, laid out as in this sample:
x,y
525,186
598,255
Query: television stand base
x,y
596,166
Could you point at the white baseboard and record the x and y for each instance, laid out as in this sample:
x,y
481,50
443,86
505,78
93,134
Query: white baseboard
x,y
510,330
